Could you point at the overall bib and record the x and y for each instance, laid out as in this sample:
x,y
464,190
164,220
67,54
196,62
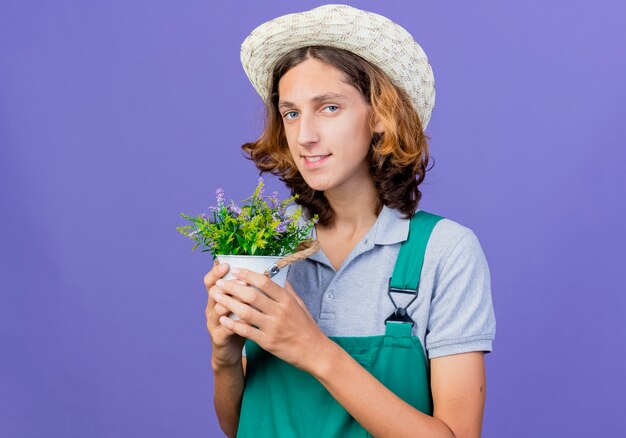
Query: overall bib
x,y
280,400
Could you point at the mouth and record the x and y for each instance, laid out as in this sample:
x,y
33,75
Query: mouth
x,y
312,161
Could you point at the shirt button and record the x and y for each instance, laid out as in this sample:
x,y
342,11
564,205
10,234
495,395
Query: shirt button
x,y
330,296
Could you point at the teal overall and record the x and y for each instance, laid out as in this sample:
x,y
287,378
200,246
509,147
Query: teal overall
x,y
280,400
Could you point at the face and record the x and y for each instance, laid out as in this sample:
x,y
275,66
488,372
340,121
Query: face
x,y
326,124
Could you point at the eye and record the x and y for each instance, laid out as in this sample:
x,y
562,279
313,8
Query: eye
x,y
333,108
286,115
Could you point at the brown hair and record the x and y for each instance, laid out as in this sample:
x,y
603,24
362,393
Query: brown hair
x,y
398,157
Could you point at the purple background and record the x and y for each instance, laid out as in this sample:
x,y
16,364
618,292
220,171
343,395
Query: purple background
x,y
117,116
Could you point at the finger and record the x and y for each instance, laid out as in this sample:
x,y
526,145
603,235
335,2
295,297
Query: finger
x,y
242,310
243,330
214,312
215,274
214,290
220,310
260,281
211,304
229,331
227,314
246,294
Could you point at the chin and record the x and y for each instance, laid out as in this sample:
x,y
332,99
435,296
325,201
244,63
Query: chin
x,y
316,184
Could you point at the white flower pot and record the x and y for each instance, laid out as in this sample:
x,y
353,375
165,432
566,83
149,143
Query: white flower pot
x,y
253,263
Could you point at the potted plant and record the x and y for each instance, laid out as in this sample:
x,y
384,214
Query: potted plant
x,y
254,235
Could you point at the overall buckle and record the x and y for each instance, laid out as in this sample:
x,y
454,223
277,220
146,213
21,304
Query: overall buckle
x,y
400,313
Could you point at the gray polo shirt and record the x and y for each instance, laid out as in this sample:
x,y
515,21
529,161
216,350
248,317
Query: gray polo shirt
x,y
453,312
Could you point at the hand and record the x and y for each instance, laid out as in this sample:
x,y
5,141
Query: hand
x,y
227,345
285,327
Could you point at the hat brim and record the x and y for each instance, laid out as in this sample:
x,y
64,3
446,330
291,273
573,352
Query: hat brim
x,y
372,36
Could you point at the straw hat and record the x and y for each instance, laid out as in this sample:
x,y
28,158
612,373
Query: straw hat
x,y
371,36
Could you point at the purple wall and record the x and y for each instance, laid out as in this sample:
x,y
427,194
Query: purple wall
x,y
117,116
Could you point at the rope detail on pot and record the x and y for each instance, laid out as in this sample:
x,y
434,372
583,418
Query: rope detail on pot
x,y
303,250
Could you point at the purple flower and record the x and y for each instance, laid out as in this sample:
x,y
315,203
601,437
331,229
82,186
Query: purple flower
x,y
274,200
220,197
234,209
210,219
262,189
280,216
281,227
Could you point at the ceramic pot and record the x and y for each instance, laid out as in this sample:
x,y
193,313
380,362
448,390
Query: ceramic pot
x,y
253,263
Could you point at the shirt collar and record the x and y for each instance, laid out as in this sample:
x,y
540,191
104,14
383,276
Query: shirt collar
x,y
390,227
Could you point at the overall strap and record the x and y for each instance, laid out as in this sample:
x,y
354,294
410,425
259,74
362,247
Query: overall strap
x,y
408,267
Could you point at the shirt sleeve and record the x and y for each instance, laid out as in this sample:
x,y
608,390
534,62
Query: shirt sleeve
x,y
461,316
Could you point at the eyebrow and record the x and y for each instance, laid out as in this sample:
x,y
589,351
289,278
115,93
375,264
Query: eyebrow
x,y
316,99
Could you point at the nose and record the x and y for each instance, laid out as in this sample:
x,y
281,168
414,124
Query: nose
x,y
307,131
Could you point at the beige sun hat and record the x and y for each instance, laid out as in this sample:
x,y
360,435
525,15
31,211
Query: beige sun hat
x,y
371,36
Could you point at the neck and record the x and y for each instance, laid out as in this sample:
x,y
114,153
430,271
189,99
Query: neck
x,y
354,209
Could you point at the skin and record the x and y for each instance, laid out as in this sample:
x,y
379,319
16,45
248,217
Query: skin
x,y
336,127
226,358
